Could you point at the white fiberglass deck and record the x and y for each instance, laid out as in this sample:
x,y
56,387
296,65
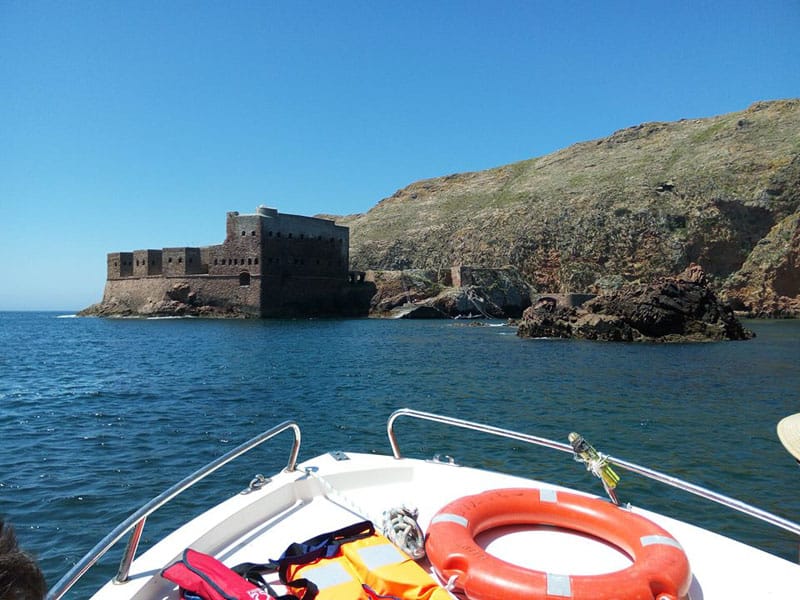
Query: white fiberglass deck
x,y
257,526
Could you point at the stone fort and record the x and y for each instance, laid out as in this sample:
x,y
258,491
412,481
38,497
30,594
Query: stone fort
x,y
270,265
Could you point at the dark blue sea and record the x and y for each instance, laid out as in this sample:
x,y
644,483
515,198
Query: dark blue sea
x,y
99,416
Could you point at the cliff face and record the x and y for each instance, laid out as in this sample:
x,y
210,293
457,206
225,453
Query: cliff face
x,y
722,192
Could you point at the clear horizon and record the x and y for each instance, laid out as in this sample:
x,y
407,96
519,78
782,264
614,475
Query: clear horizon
x,y
139,125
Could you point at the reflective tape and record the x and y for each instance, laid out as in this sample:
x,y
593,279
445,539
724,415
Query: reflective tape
x,y
328,575
450,518
375,557
548,495
650,540
559,585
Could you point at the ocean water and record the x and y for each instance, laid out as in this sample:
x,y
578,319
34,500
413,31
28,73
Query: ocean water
x,y
99,416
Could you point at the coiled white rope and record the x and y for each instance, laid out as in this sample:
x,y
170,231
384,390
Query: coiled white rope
x,y
398,524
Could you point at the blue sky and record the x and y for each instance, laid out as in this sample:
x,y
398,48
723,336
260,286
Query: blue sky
x,y
128,125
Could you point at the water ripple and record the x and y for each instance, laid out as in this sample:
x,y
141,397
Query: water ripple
x,y
99,416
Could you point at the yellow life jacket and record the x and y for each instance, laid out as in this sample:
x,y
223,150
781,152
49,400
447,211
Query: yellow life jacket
x,y
366,566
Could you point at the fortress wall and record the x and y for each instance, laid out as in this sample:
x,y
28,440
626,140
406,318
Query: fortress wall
x,y
119,264
146,262
304,246
135,291
177,262
327,235
232,259
304,257
310,226
308,296
241,250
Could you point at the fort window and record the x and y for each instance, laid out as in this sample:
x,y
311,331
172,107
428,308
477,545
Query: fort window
x,y
215,261
256,260
290,236
244,279
269,234
180,260
253,232
244,233
169,260
278,234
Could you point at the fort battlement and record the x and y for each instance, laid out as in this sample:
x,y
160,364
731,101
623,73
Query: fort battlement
x,y
270,264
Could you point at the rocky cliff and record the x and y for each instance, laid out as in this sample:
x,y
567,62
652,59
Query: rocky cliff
x,y
722,192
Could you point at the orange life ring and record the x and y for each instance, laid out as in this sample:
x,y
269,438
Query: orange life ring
x,y
660,569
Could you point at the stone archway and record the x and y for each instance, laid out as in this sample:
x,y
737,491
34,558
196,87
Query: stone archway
x,y
244,279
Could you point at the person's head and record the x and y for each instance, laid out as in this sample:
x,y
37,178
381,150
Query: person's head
x,y
789,435
20,575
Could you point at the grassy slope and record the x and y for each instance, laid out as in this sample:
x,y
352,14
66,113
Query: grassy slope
x,y
642,202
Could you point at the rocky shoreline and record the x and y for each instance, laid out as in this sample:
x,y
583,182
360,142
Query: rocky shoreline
x,y
461,292
670,309
682,308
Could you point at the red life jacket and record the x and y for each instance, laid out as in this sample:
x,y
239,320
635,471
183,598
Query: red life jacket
x,y
203,576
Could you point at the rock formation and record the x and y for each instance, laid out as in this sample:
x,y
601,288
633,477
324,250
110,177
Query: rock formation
x,y
767,284
179,300
670,309
449,293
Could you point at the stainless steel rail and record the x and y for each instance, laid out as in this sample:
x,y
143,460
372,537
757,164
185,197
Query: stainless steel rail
x,y
697,490
137,520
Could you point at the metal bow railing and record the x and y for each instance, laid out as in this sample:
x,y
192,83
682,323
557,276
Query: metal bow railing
x,y
134,524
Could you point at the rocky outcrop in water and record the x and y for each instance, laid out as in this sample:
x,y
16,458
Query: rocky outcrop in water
x,y
671,309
